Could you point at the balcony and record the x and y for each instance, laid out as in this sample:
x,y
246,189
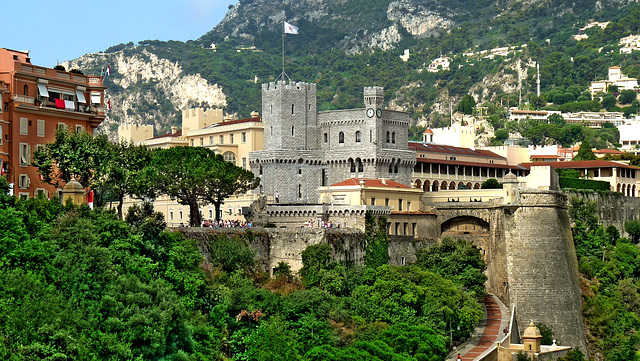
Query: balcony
x,y
50,104
51,74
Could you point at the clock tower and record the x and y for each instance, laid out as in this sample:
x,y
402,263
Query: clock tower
x,y
373,99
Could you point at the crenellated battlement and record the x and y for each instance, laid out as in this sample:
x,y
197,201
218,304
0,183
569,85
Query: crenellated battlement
x,y
135,132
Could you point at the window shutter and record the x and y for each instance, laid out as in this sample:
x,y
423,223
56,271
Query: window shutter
x,y
24,126
40,128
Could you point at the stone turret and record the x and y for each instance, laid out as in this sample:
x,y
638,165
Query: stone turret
x,y
510,189
531,338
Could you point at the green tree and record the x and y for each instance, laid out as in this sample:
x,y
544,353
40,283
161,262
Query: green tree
x,y
585,152
627,96
194,176
491,183
609,101
632,227
467,104
72,155
226,179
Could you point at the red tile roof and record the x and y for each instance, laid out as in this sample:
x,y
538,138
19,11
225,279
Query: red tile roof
x,y
238,121
428,131
608,151
176,134
581,164
370,183
448,149
474,164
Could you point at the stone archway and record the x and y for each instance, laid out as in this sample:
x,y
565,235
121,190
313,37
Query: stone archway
x,y
469,228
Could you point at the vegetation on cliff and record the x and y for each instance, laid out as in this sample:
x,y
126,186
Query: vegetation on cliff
x,y
610,268
81,284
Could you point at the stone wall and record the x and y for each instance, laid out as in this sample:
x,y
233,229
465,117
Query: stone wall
x,y
613,208
542,268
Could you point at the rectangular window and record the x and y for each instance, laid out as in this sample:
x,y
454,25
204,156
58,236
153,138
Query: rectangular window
x,y
244,162
24,181
24,126
400,204
95,98
79,128
408,206
1,136
222,139
244,137
63,126
192,142
201,141
230,138
386,202
211,139
40,128
373,201
80,96
25,154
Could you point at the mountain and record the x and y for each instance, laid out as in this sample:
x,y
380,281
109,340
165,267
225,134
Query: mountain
x,y
345,45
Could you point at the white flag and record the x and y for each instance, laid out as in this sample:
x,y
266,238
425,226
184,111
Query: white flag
x,y
290,29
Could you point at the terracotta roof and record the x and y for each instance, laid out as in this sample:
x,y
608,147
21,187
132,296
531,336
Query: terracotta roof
x,y
176,134
608,151
614,67
238,121
448,149
428,131
370,183
544,156
529,111
474,164
581,164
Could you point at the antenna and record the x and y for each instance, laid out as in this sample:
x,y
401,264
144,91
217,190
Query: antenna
x,y
538,67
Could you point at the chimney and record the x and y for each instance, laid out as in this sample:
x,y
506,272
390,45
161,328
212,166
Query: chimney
x,y
362,182
174,129
255,114
227,118
384,181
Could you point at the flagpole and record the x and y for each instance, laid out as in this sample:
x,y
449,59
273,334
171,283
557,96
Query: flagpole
x,y
283,73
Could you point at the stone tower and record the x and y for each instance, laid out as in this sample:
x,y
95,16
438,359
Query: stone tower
x,y
289,116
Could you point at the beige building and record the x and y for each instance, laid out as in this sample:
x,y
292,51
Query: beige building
x,y
443,167
234,139
615,78
622,177
455,135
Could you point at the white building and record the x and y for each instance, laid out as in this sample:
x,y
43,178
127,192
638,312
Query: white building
x,y
629,44
630,137
537,115
455,135
615,78
441,63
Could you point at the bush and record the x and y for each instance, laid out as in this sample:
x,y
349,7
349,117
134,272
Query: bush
x,y
577,183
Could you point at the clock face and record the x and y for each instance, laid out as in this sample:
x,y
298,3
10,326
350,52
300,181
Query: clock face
x,y
370,112
379,112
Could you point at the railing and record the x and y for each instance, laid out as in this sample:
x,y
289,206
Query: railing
x,y
52,73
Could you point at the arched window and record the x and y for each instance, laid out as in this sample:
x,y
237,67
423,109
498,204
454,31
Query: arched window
x,y
390,169
229,157
360,165
341,138
387,137
358,137
292,130
326,137
353,165
26,89
393,137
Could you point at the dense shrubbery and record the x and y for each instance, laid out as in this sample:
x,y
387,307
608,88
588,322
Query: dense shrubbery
x,y
81,284
610,268
577,183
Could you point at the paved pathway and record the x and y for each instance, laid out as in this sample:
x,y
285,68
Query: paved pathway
x,y
487,332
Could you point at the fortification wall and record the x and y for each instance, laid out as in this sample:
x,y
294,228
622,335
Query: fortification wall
x,y
542,268
613,208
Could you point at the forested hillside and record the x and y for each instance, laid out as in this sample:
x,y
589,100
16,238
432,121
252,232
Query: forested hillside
x,y
233,66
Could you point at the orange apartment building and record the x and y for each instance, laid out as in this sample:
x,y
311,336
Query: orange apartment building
x,y
34,102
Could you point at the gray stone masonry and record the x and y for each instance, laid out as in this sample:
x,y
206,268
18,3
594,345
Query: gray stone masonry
x,y
304,149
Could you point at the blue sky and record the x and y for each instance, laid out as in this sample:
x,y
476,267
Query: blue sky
x,y
59,31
